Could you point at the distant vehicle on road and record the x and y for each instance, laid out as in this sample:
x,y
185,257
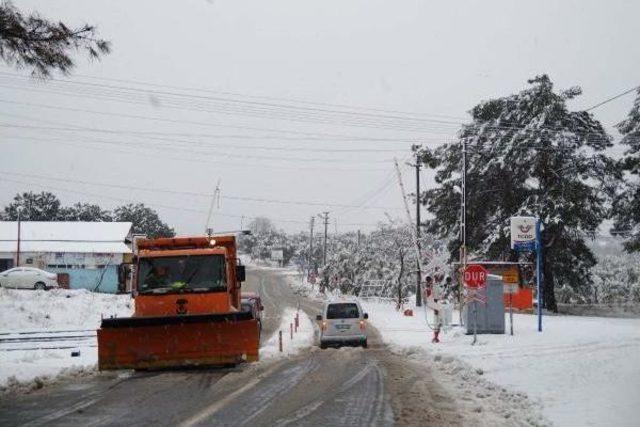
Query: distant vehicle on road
x,y
28,278
251,302
342,323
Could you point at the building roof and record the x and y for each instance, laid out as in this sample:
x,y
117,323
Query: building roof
x,y
65,236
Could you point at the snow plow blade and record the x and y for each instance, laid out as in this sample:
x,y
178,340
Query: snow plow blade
x,y
177,341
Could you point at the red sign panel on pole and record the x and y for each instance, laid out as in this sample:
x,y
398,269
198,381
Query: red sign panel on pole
x,y
475,276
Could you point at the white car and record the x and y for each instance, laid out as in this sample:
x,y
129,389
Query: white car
x,y
28,278
342,323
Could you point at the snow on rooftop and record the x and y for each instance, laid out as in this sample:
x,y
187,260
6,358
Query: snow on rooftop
x,y
65,236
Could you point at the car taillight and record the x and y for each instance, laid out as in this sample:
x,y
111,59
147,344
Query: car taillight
x,y
324,326
362,325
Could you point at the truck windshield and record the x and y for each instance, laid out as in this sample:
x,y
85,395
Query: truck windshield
x,y
182,273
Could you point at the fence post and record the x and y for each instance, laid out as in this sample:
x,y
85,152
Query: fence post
x,y
297,322
280,341
291,330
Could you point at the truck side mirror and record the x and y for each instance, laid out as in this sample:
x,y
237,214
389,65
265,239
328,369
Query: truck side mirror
x,y
366,316
241,274
319,317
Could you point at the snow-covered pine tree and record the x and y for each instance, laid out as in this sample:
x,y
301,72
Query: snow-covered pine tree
x,y
43,46
528,155
626,211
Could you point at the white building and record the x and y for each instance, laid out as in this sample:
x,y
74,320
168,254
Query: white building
x,y
89,252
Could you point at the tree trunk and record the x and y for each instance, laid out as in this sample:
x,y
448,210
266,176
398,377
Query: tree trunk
x,y
548,288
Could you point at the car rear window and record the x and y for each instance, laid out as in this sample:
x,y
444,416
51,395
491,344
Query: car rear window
x,y
343,311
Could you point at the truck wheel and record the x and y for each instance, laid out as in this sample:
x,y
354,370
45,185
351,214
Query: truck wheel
x,y
323,345
40,286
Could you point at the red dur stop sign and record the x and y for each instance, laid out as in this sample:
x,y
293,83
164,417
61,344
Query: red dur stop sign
x,y
475,276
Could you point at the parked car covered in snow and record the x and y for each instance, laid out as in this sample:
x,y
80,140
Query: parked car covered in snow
x,y
28,278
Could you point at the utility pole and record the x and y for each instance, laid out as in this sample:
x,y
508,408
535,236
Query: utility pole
x,y
463,224
413,234
18,248
310,260
419,274
463,201
325,216
215,200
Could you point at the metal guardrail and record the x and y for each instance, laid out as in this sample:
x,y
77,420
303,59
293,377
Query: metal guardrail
x,y
47,340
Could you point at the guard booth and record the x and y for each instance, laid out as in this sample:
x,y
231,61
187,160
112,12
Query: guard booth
x,y
490,314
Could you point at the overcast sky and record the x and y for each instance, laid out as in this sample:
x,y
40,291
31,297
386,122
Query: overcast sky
x,y
269,81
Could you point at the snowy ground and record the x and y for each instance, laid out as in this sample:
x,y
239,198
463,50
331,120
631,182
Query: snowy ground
x,y
40,329
581,370
302,339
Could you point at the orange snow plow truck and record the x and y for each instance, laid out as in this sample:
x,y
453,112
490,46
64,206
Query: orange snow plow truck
x,y
187,309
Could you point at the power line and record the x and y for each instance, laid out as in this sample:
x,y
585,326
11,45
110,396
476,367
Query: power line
x,y
374,123
209,162
613,98
216,153
121,199
273,98
145,135
186,193
233,99
183,122
241,108
375,117
172,207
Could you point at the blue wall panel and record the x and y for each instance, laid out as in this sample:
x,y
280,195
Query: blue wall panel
x,y
82,278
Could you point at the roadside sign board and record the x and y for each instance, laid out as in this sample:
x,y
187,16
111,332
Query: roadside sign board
x,y
523,233
510,276
475,276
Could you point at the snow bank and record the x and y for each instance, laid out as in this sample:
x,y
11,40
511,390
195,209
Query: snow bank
x,y
301,339
30,365
58,309
582,370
